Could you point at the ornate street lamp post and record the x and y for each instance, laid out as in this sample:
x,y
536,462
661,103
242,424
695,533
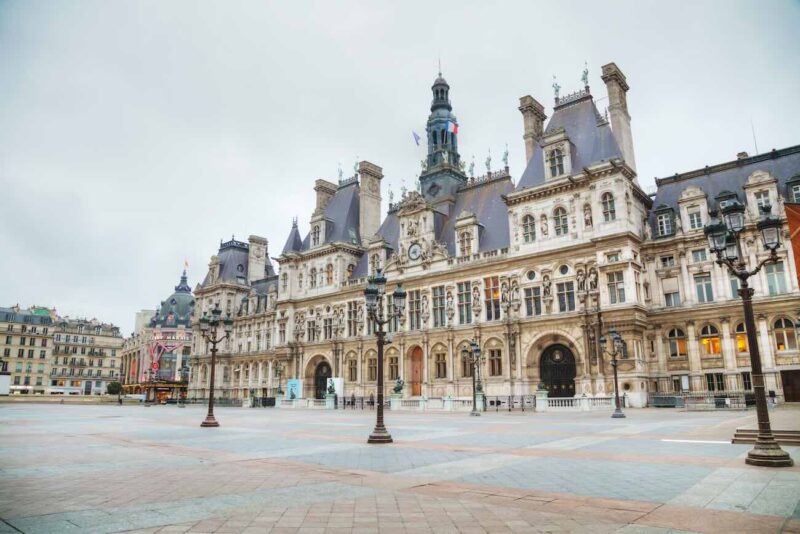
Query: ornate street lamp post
x,y
724,240
619,348
473,357
373,296
208,329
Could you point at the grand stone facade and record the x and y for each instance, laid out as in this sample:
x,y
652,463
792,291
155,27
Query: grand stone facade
x,y
535,270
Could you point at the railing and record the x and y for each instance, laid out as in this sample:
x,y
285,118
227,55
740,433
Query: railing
x,y
706,400
565,402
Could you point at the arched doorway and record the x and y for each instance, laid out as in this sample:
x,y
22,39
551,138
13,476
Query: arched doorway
x,y
321,375
416,371
557,371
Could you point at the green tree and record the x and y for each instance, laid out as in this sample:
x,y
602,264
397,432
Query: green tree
x,y
114,388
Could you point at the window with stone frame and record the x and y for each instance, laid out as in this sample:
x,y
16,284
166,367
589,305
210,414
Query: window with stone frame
x,y
329,274
352,370
492,297
327,328
795,194
282,333
464,292
437,299
495,362
372,369
374,263
528,229
566,296
352,318
616,288
312,278
533,301
695,220
709,340
715,381
440,360
785,335
609,210
555,160
394,367
414,310
560,221
315,232
465,243
741,339
676,341
664,224
762,198
703,288
747,381
776,280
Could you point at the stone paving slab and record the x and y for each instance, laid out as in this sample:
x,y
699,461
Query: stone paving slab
x,y
134,469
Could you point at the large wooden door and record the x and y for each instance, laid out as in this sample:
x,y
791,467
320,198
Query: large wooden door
x,y
791,385
416,372
321,375
557,371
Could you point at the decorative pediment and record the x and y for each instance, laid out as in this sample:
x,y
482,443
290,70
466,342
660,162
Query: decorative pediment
x,y
411,203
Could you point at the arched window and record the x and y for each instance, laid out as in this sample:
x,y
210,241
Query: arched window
x,y
677,343
315,236
560,221
528,228
741,339
556,161
465,243
609,211
785,335
329,274
312,278
709,340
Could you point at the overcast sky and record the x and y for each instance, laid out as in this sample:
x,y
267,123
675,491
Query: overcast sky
x,y
136,134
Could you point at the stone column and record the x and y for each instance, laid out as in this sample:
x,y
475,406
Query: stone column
x,y
689,294
695,367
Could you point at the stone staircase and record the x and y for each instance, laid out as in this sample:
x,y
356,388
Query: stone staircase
x,y
783,437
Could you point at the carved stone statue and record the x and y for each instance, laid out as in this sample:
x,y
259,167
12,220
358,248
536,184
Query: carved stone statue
x,y
543,225
472,167
648,232
592,279
425,310
360,315
547,289
587,215
514,291
449,307
476,298
504,293
581,277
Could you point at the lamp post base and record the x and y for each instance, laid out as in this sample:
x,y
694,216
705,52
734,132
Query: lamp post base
x,y
209,422
769,454
475,413
379,436
618,414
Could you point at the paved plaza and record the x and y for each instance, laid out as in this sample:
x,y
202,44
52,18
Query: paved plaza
x,y
88,469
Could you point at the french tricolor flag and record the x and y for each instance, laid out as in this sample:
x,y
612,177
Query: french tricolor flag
x,y
452,127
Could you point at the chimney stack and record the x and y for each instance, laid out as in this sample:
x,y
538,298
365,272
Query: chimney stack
x,y
533,118
257,258
369,200
617,87
325,191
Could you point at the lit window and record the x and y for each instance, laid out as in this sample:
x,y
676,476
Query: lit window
x,y
785,335
329,274
709,340
492,298
741,339
677,343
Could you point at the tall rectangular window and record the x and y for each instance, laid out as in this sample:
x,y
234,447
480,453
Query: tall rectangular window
x,y
715,381
664,224
495,362
702,284
352,370
464,303
327,328
796,194
372,369
762,198
747,381
352,318
695,220
699,255
441,364
533,301
492,297
438,307
393,320
394,367
414,310
667,261
282,333
734,280
566,296
616,288
776,281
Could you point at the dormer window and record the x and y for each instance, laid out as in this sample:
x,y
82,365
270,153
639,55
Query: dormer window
x,y
315,235
465,243
609,209
793,189
762,198
528,228
555,158
664,221
560,221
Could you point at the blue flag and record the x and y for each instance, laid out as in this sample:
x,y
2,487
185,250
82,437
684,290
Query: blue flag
x,y
416,137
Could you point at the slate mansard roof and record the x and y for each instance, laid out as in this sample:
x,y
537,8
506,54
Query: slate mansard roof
x,y
342,220
589,133
33,317
782,164
177,310
234,264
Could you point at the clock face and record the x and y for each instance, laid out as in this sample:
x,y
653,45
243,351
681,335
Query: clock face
x,y
414,251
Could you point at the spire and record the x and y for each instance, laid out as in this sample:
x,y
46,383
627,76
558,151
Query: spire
x,y
294,243
183,286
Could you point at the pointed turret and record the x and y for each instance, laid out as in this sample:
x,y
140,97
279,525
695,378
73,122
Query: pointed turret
x,y
294,243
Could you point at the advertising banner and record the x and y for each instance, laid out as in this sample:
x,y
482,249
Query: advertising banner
x,y
294,389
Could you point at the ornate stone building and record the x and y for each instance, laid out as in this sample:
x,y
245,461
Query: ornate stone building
x,y
87,355
155,358
27,349
535,270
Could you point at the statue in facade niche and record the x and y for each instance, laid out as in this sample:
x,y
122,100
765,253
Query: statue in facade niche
x,y
587,215
504,293
547,288
543,225
592,279
581,277
425,312
476,297
449,306
514,291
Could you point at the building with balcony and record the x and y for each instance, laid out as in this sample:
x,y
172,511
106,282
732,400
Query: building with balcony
x,y
86,356
27,348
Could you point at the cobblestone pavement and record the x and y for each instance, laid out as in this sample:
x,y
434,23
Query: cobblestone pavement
x,y
87,469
